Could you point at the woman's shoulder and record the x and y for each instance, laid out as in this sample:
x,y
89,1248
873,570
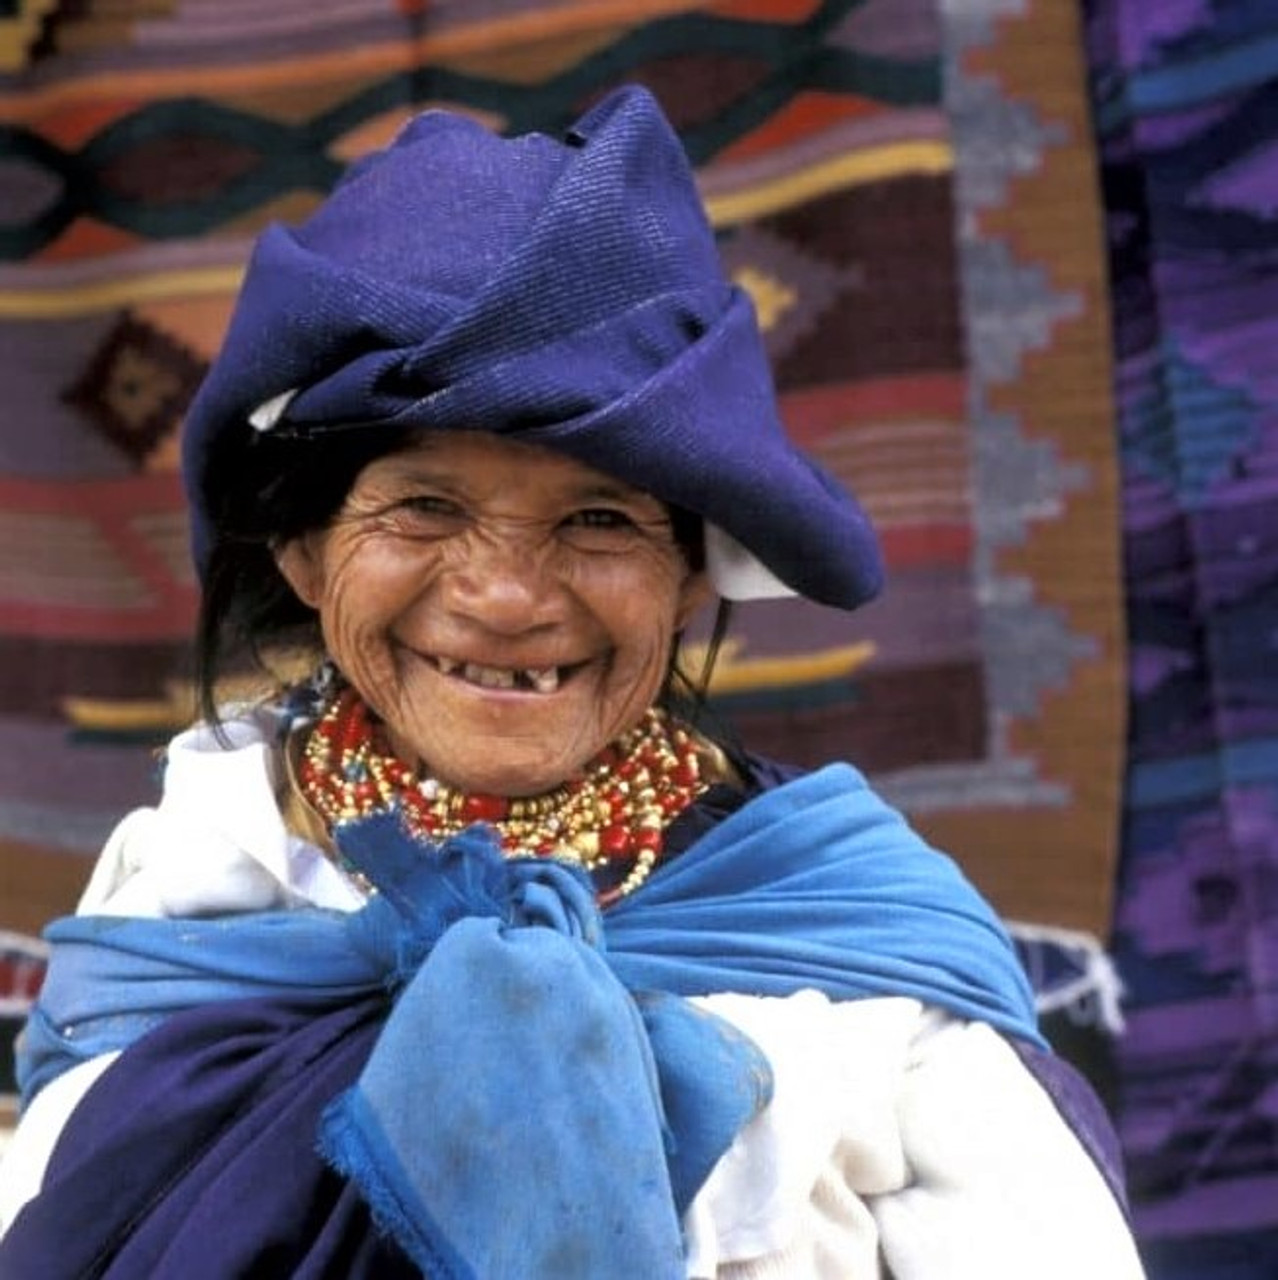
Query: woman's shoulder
x,y
743,776
216,839
931,1122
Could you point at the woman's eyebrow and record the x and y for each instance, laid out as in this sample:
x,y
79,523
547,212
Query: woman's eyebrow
x,y
593,491
421,475
570,491
607,491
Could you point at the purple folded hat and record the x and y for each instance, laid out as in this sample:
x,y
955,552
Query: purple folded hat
x,y
568,294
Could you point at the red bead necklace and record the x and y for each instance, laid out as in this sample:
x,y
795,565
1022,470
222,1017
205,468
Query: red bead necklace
x,y
610,820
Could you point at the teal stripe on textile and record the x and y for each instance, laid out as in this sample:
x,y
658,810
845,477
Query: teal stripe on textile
x,y
1164,782
1180,86
819,695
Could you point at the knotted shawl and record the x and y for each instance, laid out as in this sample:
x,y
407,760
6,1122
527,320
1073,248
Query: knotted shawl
x,y
539,1102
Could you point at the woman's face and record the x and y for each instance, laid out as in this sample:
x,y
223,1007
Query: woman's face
x,y
505,610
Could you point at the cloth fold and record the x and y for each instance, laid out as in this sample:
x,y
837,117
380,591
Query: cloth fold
x,y
506,997
586,311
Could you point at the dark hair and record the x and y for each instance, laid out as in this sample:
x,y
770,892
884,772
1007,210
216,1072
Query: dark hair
x,y
688,694
265,489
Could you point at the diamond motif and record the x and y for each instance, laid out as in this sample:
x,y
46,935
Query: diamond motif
x,y
137,386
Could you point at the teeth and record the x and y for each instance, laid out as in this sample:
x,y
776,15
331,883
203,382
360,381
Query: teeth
x,y
543,679
489,677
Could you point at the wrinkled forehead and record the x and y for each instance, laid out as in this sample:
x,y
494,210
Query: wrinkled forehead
x,y
484,463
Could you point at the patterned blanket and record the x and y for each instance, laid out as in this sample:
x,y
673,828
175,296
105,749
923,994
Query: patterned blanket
x,y
938,333
1187,109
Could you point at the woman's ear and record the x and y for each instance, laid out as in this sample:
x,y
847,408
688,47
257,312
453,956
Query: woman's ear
x,y
695,592
300,560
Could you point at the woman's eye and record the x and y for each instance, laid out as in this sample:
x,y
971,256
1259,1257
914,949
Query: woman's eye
x,y
429,505
608,530
425,515
600,518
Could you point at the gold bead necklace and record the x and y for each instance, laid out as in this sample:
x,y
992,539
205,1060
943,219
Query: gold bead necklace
x,y
610,819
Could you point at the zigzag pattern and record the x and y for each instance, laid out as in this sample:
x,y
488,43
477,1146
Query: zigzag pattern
x,y
234,161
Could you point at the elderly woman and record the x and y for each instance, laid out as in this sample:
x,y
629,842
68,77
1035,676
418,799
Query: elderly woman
x,y
470,956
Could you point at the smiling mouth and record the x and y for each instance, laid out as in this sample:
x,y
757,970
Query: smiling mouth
x,y
525,679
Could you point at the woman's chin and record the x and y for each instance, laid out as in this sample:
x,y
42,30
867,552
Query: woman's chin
x,y
504,746
499,774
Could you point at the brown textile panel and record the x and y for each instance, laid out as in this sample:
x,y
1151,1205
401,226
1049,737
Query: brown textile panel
x,y
902,314
695,88
36,675
36,884
1043,866
919,716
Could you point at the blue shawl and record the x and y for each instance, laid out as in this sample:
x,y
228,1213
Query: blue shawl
x,y
540,1100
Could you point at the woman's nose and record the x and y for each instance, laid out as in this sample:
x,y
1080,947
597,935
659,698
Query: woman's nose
x,y
505,582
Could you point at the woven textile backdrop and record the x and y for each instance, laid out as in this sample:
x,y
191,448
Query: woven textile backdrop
x,y
907,189
1187,110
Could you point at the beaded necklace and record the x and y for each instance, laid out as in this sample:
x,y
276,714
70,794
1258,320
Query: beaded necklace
x,y
610,820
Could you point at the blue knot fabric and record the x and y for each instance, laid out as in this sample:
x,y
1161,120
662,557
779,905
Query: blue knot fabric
x,y
517,1130
515,1059
423,890
565,293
